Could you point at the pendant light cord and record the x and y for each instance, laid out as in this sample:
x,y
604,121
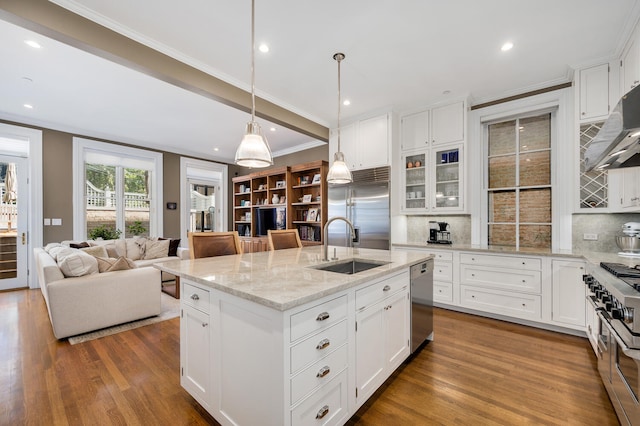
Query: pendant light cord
x,y
253,60
339,57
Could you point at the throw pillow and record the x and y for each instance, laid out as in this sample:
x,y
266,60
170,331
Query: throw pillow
x,y
83,244
77,264
135,247
156,249
95,251
55,250
173,246
108,264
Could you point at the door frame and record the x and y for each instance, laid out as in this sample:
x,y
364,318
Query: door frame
x,y
33,138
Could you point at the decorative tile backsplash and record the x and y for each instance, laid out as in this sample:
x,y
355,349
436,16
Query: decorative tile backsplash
x,y
459,226
607,226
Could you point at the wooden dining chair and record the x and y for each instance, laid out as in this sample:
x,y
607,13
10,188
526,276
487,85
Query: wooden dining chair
x,y
283,239
210,244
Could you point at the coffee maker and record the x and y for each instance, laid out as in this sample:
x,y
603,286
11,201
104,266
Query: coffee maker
x,y
439,233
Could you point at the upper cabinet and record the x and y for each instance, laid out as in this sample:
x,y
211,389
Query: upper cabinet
x,y
440,125
364,143
594,92
630,64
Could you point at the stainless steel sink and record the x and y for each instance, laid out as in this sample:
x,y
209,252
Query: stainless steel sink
x,y
350,266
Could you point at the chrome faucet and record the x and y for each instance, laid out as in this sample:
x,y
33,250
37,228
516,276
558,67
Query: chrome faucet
x,y
326,234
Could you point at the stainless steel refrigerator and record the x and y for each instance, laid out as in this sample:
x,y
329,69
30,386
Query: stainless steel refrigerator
x,y
365,202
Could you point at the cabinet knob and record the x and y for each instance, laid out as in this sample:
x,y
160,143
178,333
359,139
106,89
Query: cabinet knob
x,y
323,344
323,371
195,297
322,316
584,113
524,281
322,412
386,288
204,324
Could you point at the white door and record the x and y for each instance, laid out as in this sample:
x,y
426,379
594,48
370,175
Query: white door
x,y
14,211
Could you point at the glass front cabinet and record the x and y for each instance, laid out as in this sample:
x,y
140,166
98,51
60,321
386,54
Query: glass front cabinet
x,y
432,179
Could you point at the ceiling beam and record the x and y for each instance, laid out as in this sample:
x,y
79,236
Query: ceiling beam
x,y
53,21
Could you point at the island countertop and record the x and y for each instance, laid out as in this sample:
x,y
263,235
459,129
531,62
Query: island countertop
x,y
284,279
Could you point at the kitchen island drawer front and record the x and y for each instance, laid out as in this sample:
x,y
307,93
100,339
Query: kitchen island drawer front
x,y
525,306
505,279
442,271
327,406
196,297
520,263
381,290
318,317
442,292
318,346
445,256
318,373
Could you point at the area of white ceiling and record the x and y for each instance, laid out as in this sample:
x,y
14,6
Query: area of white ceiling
x,y
399,55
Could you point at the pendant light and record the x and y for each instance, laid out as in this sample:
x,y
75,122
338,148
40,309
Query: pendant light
x,y
339,172
254,149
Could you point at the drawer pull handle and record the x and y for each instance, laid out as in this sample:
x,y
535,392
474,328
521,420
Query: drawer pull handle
x,y
322,316
323,371
323,344
323,412
386,288
204,324
195,297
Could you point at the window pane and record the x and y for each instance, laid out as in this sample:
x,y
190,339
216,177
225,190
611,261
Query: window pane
x,y
502,138
502,235
535,168
101,201
502,206
502,172
137,202
535,132
538,236
535,205
202,216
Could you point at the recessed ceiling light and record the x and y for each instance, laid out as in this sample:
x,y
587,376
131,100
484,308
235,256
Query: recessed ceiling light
x,y
507,46
27,79
216,149
28,106
33,44
263,48
446,92
346,102
273,129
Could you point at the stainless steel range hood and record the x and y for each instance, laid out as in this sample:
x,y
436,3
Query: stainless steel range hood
x,y
616,144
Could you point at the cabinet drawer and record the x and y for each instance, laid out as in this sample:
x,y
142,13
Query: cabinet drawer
x,y
318,346
196,297
446,256
505,279
318,317
526,306
442,292
528,263
442,271
318,373
380,290
327,406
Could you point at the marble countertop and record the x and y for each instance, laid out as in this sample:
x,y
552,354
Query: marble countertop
x,y
493,249
284,279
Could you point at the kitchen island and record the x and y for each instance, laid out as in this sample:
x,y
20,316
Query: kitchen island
x,y
267,338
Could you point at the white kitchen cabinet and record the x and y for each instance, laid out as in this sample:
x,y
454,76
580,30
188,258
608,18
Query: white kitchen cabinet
x,y
568,293
195,344
624,185
630,64
442,276
414,130
594,92
447,123
382,333
415,180
593,325
365,143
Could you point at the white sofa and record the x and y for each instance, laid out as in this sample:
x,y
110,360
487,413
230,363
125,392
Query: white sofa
x,y
95,300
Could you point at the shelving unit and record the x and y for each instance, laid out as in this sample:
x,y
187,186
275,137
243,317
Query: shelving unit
x,y
301,190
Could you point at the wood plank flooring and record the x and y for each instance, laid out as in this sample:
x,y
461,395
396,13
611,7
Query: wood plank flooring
x,y
478,371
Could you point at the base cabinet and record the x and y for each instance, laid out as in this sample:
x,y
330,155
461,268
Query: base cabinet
x,y
568,288
295,367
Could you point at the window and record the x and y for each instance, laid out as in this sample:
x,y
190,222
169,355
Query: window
x,y
519,182
116,187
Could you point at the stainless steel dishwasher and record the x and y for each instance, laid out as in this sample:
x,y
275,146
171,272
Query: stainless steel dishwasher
x,y
421,303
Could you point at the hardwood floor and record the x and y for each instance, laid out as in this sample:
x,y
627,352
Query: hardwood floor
x,y
477,372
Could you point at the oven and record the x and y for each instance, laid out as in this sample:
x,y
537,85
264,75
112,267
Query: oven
x,y
614,300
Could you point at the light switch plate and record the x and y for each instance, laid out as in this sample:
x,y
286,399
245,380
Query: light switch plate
x,y
56,222
590,237
47,221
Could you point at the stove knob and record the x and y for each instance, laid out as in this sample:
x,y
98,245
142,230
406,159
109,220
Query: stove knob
x,y
617,313
594,286
588,279
608,306
606,298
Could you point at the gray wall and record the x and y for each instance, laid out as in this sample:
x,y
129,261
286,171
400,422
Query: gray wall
x,y
607,226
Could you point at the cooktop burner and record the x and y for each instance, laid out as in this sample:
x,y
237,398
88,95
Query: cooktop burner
x,y
620,270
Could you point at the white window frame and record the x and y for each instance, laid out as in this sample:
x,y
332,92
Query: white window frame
x,y
563,140
81,147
